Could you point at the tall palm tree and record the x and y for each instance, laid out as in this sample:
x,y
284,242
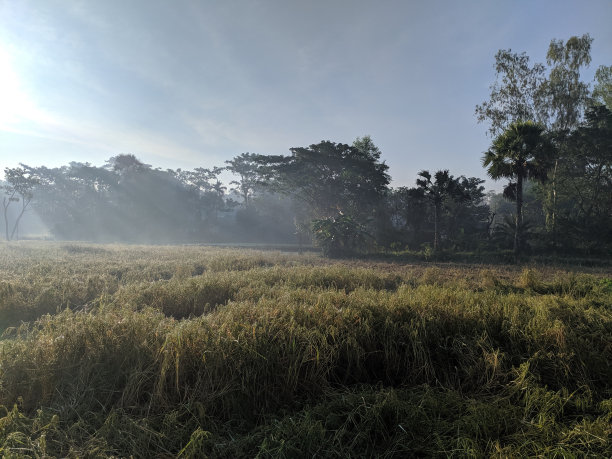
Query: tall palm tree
x,y
521,152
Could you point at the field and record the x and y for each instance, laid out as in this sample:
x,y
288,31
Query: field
x,y
193,352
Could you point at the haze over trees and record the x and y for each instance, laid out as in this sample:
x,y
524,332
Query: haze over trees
x,y
550,138
18,192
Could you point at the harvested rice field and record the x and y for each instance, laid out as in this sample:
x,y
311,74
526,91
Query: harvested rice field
x,y
190,351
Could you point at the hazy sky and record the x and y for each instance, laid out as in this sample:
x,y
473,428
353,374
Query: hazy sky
x,y
187,84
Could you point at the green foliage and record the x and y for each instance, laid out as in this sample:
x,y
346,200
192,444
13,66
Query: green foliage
x,y
518,94
443,189
340,235
519,153
584,197
602,92
504,232
332,177
576,192
449,212
567,95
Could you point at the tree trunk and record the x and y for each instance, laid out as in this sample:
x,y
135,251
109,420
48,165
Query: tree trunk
x,y
23,209
299,237
519,215
435,228
554,206
6,204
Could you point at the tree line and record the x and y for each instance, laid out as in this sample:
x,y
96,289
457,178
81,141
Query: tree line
x,y
551,142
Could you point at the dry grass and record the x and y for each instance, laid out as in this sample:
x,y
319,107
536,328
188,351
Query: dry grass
x,y
194,351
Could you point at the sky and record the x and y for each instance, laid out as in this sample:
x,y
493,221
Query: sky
x,y
193,83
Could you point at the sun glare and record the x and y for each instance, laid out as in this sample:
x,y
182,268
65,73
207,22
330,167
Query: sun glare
x,y
14,101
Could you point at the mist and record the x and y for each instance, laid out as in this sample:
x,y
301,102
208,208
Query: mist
x,y
129,201
31,226
331,196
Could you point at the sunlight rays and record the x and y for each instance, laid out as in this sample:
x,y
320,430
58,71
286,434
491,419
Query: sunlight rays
x,y
15,103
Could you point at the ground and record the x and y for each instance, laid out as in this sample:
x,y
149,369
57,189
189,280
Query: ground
x,y
111,350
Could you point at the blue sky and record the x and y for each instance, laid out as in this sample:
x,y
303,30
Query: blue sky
x,y
193,83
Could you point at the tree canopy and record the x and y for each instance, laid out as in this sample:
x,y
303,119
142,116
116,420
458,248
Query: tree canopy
x,y
333,177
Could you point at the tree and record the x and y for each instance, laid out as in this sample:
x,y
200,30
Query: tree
x,y
602,92
251,168
367,147
126,163
332,178
519,93
503,214
443,186
76,201
567,94
523,92
126,200
20,183
585,210
521,152
567,98
408,213
200,179
206,187
327,180
468,217
339,235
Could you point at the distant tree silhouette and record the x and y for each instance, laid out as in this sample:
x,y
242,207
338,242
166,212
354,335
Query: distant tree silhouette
x,y
443,186
20,183
251,169
126,163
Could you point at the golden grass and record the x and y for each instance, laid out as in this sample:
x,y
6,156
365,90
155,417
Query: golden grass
x,y
147,351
